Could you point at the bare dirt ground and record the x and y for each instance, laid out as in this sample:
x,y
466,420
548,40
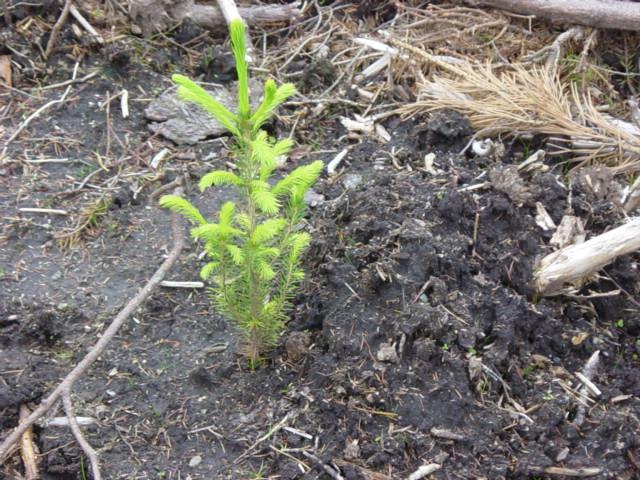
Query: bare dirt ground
x,y
416,340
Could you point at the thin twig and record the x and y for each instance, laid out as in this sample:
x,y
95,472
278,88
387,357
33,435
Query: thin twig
x,y
55,31
77,433
160,190
101,344
85,24
7,14
88,76
568,472
267,435
37,113
332,472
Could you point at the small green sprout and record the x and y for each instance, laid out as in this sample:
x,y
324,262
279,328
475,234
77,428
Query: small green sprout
x,y
255,247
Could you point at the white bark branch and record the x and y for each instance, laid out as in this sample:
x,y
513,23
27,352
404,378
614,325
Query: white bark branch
x,y
152,15
618,15
572,264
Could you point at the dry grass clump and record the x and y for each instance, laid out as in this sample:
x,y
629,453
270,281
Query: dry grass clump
x,y
517,99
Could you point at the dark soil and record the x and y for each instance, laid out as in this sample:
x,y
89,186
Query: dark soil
x,y
417,316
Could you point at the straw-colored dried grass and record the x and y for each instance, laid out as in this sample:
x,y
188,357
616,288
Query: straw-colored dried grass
x,y
518,99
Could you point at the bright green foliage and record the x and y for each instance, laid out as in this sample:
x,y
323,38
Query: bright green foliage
x,y
255,247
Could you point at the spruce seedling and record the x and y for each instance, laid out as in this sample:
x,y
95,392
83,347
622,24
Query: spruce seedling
x,y
254,249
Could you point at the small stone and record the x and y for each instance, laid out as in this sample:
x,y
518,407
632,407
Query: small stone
x,y
352,450
426,349
195,461
313,198
562,455
340,391
56,275
387,353
475,368
297,345
466,339
351,181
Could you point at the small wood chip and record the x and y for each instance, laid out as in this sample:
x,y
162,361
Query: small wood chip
x,y
300,433
124,103
424,470
27,448
333,164
5,70
64,421
620,398
589,384
158,157
446,434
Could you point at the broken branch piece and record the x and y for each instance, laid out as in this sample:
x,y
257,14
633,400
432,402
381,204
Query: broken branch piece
x,y
573,264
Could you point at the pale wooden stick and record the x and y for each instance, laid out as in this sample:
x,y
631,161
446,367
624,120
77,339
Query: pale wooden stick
x,y
229,10
230,13
52,211
619,15
572,264
176,284
27,451
85,24
587,374
423,471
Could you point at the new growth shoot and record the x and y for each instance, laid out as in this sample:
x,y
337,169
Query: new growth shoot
x,y
254,248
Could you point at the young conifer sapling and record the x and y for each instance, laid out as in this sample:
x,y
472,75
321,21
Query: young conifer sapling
x,y
254,249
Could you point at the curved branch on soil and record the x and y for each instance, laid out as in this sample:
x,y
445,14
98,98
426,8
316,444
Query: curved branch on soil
x,y
101,344
77,433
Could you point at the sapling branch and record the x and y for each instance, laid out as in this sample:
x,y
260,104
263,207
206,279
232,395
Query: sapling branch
x,y
254,249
